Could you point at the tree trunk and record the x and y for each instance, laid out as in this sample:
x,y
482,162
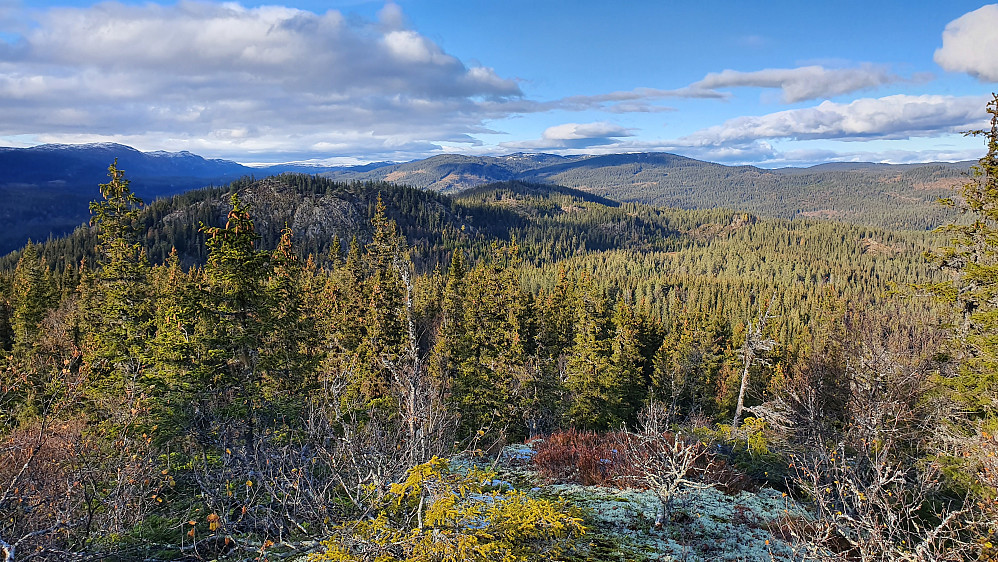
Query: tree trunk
x,y
741,389
753,343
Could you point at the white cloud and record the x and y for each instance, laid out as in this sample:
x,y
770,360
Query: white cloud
x,y
391,16
574,136
578,131
287,79
636,100
409,46
970,43
803,83
278,83
891,117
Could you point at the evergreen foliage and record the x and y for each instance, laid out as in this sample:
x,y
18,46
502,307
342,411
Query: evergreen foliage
x,y
31,299
972,259
887,196
117,298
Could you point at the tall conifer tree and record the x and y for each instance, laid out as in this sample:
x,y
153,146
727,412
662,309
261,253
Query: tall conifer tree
x,y
30,298
117,299
972,259
233,319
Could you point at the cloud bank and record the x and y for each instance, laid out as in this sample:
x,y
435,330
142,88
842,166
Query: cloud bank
x,y
277,83
751,139
249,79
574,136
891,117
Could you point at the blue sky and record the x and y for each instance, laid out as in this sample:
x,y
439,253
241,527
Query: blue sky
x,y
771,84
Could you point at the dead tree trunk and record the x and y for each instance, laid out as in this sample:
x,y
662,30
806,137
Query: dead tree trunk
x,y
754,343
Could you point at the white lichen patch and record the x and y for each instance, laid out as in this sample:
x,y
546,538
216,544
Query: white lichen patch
x,y
706,525
517,453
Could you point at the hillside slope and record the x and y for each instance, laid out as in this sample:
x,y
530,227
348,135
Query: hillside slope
x,y
891,196
669,259
551,222
45,189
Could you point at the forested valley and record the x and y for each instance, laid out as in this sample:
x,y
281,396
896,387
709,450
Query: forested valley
x,y
299,368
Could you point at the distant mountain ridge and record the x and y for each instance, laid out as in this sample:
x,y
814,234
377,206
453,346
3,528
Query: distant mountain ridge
x,y
46,189
902,196
89,162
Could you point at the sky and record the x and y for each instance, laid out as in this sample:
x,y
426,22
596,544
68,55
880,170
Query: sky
x,y
779,83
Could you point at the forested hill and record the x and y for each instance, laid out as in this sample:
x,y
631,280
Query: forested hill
x,y
549,221
713,258
239,402
891,196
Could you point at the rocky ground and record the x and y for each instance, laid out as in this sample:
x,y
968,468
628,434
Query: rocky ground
x,y
705,524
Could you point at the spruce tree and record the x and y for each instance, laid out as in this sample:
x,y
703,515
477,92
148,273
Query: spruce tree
x,y
30,299
628,363
684,367
386,257
488,382
594,392
117,299
972,260
232,323
290,344
451,345
364,325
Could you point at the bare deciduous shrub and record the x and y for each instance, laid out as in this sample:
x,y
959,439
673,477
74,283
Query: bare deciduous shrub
x,y
38,499
875,491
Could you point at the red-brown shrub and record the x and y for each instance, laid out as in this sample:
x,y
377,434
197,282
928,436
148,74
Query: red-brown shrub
x,y
617,459
583,457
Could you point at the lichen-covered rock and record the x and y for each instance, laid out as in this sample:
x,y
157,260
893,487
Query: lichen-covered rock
x,y
707,525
